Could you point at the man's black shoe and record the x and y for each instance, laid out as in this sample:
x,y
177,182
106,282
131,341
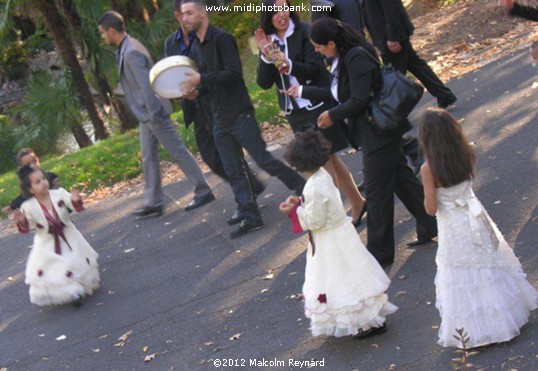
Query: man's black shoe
x,y
372,331
245,228
200,201
147,211
235,218
446,101
422,241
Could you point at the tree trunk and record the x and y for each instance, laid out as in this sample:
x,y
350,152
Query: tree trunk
x,y
82,138
58,29
104,88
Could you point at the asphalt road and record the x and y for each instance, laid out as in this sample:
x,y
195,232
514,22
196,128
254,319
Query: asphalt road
x,y
192,297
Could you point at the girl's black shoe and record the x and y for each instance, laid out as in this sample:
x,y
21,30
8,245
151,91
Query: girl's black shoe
x,y
372,331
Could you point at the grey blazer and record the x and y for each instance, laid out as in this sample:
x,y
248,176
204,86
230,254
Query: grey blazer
x,y
134,63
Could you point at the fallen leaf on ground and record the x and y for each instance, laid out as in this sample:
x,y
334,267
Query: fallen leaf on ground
x,y
270,276
400,293
402,277
264,291
97,350
123,338
208,343
41,335
61,337
128,250
150,357
145,349
235,337
103,336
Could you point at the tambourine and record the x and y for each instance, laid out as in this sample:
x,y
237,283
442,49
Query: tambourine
x,y
167,75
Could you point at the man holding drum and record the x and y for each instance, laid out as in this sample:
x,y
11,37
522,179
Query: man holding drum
x,y
134,63
220,76
199,112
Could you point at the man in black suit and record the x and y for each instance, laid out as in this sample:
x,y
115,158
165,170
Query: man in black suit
x,y
220,77
527,12
179,43
347,11
390,27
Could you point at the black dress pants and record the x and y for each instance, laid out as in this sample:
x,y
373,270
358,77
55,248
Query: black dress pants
x,y
386,173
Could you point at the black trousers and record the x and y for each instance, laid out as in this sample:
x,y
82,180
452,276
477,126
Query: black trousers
x,y
203,134
407,59
386,173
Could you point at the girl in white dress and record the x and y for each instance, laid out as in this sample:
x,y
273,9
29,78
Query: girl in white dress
x,y
62,267
480,284
344,288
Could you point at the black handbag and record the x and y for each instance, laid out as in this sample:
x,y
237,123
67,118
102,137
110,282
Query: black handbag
x,y
394,100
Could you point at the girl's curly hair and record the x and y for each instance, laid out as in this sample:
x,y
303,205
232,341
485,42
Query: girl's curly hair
x,y
309,151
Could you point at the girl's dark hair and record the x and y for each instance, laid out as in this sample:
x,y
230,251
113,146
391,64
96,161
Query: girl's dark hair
x,y
309,151
24,179
343,35
447,151
266,17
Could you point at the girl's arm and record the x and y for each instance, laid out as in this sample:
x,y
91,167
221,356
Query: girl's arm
x,y
430,195
22,222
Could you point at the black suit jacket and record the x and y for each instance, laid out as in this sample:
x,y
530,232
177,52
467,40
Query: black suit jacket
x,y
528,12
307,65
387,20
347,11
358,77
219,64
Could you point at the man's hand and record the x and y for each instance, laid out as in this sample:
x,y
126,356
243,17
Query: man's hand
x,y
394,46
188,87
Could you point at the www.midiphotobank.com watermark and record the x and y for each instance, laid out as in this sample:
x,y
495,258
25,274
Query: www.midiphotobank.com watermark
x,y
257,8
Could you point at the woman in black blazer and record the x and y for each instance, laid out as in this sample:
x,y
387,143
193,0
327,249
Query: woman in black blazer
x,y
356,77
297,63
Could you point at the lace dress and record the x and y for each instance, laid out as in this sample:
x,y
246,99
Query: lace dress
x,y
480,284
62,265
344,288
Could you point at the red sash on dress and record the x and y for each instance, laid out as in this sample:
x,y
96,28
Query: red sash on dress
x,y
56,228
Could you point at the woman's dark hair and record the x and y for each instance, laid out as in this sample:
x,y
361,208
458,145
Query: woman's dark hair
x,y
24,179
343,35
266,17
309,151
447,151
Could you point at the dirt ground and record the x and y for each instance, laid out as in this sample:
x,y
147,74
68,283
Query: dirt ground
x,y
469,34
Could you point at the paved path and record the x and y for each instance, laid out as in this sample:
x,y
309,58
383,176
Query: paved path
x,y
185,290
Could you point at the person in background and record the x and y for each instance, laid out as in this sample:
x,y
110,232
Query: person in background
x,y
220,76
347,11
357,77
134,64
27,156
197,111
524,11
284,38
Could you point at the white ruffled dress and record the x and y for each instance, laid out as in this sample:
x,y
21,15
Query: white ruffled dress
x,y
62,265
344,288
480,284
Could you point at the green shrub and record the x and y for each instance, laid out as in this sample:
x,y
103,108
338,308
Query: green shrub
x,y
13,60
7,147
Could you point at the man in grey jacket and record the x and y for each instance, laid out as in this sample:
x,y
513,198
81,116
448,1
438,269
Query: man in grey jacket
x,y
153,113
